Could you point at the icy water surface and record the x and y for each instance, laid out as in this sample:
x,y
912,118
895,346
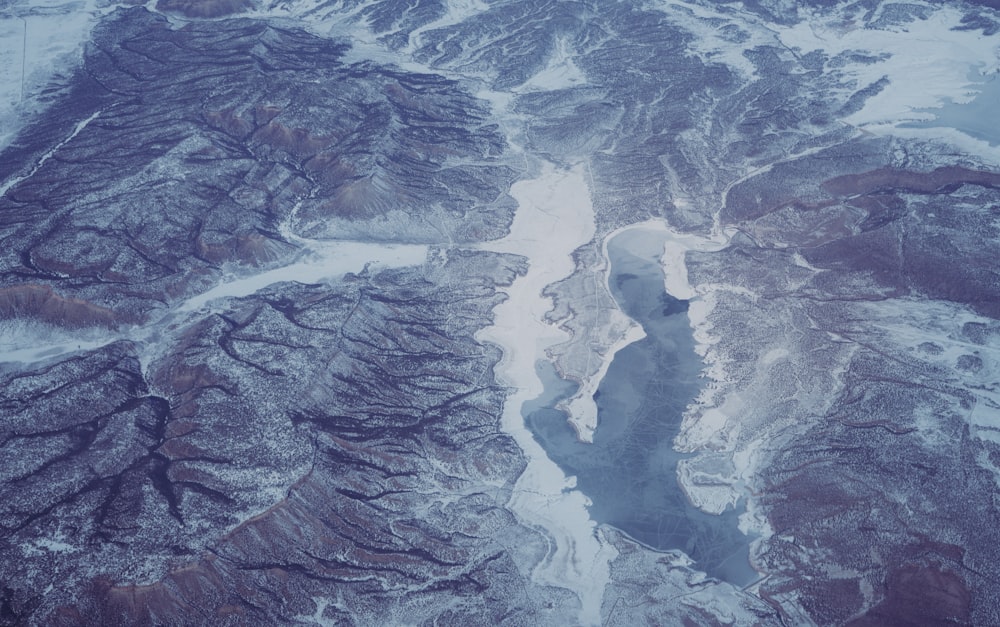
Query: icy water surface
x,y
629,472
976,118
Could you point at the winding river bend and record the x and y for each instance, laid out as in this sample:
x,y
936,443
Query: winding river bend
x,y
630,470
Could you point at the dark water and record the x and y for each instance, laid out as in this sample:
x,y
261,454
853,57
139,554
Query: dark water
x,y
629,472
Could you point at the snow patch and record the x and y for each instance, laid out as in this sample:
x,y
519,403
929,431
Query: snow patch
x,y
457,12
48,155
773,355
929,62
40,546
559,73
915,325
718,36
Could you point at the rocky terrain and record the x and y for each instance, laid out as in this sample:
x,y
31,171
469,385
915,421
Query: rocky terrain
x,y
251,254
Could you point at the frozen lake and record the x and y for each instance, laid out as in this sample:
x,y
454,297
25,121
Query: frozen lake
x,y
630,469
976,118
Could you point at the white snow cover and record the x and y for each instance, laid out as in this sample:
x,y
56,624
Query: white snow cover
x,y
39,40
328,259
317,618
27,341
559,73
554,218
926,62
710,43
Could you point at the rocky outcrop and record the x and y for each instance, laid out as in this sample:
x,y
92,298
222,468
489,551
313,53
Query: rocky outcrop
x,y
203,8
41,302
314,444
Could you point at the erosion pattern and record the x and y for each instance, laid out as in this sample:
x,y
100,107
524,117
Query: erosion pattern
x,y
191,435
